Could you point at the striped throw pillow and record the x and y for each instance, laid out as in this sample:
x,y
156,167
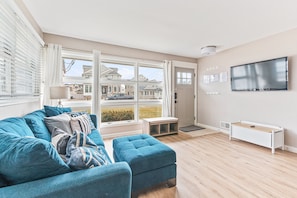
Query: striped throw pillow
x,y
80,123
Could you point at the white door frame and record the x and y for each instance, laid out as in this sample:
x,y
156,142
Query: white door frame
x,y
188,66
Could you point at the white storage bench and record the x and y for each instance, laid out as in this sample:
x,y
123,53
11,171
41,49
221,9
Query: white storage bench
x,y
160,126
261,134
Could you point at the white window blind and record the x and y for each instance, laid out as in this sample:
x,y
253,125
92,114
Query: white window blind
x,y
20,53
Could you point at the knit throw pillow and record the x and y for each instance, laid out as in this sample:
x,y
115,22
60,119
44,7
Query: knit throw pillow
x,y
76,114
82,153
81,123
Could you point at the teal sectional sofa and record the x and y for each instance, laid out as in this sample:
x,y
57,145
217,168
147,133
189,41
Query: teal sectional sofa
x,y
32,167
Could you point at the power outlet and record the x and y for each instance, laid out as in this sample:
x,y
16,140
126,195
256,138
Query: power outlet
x,y
225,125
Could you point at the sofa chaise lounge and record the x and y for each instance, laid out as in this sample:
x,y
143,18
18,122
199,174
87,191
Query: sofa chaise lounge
x,y
32,167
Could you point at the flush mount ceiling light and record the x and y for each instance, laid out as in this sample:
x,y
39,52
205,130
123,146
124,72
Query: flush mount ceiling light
x,y
208,50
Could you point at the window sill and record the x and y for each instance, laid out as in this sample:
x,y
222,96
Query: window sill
x,y
120,123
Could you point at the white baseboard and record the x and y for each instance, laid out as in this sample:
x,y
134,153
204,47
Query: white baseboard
x,y
291,149
213,128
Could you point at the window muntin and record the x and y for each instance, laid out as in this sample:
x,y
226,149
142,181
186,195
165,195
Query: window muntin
x,y
184,78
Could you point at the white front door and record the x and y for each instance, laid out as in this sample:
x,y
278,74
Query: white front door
x,y
184,96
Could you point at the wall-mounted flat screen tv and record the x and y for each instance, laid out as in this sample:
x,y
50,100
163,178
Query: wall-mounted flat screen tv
x,y
268,75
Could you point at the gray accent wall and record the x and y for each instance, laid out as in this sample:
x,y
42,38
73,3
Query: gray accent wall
x,y
216,101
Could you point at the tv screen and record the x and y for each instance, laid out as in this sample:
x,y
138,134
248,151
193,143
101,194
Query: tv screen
x,y
268,75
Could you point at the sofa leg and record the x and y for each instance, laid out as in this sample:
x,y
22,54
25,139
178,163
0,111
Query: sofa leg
x,y
171,182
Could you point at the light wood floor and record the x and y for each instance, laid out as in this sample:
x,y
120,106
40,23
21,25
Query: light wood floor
x,y
212,166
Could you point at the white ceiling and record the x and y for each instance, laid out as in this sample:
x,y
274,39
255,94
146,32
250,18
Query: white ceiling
x,y
178,27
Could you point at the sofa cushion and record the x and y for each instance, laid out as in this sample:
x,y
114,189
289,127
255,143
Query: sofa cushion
x,y
77,114
60,139
17,126
80,123
3,181
35,121
83,153
96,137
25,159
54,111
61,121
143,153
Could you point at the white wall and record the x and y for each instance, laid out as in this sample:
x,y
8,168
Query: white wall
x,y
274,107
18,109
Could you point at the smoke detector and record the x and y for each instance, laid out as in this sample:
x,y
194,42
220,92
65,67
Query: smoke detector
x,y
208,50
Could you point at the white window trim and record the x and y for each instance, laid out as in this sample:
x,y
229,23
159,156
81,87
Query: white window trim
x,y
136,63
82,55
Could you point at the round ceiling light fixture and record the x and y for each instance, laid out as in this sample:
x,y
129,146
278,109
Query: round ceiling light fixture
x,y
208,50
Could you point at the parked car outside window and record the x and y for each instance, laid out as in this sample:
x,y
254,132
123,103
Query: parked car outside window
x,y
120,97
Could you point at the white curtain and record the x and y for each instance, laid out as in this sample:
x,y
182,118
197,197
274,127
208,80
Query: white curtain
x,y
53,70
167,92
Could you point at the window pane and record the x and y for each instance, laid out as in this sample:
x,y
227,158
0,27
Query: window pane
x,y
150,74
119,81
150,91
117,113
189,75
78,76
77,106
114,71
152,85
117,91
184,78
150,111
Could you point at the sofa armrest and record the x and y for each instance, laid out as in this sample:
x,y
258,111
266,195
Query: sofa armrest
x,y
94,119
113,180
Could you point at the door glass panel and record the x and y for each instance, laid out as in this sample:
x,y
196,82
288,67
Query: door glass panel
x,y
183,78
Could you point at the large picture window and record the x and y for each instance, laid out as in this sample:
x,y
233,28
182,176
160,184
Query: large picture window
x,y
129,90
